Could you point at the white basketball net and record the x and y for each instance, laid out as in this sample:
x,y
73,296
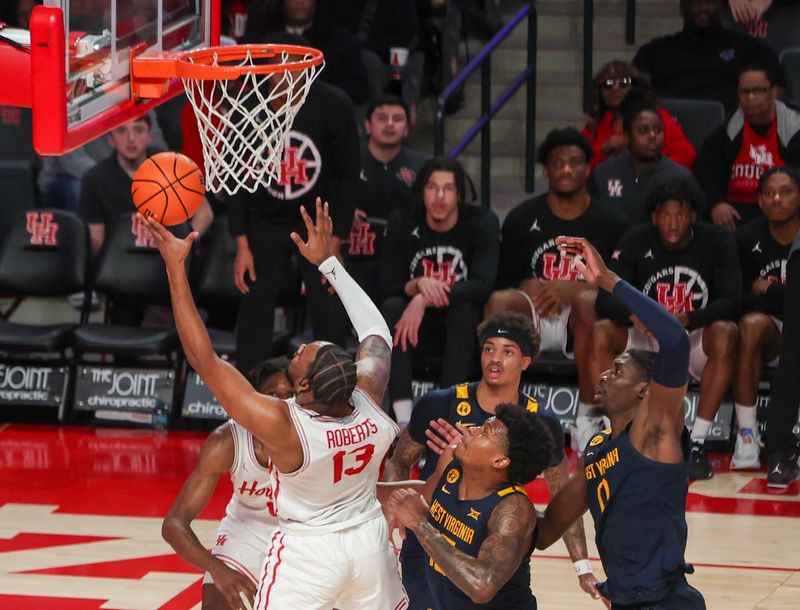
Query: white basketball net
x,y
243,122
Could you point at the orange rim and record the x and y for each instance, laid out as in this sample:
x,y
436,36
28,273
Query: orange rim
x,y
199,64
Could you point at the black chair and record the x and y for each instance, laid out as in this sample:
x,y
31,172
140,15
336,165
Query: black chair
x,y
131,271
43,253
790,63
697,118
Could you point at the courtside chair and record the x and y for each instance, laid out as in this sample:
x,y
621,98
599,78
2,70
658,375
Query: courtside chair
x,y
790,63
43,253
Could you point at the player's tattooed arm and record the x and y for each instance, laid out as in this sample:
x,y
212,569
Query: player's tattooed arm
x,y
373,363
507,545
575,537
406,455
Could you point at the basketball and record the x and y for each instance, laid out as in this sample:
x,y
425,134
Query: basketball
x,y
168,187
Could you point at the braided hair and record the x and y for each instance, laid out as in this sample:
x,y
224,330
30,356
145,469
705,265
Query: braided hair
x,y
332,375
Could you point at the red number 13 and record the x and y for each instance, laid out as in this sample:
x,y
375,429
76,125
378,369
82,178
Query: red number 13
x,y
361,455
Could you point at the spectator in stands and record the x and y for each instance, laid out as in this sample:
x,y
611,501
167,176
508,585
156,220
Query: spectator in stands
x,y
703,60
774,22
692,269
624,181
762,133
764,245
388,171
378,26
536,279
344,67
783,448
438,267
605,130
60,177
320,159
105,192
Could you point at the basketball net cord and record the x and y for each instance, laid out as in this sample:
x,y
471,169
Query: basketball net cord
x,y
243,122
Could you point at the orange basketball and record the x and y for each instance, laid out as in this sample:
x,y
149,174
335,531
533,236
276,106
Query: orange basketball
x,y
168,187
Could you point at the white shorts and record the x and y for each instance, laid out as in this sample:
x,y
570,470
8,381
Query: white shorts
x,y
353,569
697,357
552,330
239,549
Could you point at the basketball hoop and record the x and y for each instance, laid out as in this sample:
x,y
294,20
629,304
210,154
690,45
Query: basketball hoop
x,y
244,97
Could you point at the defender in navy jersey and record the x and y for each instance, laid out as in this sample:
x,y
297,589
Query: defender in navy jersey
x,y
474,519
507,341
692,270
635,475
764,246
536,279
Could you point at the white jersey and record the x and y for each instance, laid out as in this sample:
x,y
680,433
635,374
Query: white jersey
x,y
252,503
334,488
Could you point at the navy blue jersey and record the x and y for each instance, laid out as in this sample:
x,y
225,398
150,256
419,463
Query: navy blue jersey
x,y
465,525
460,404
639,511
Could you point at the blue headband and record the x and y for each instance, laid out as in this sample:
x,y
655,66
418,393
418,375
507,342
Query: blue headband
x,y
504,332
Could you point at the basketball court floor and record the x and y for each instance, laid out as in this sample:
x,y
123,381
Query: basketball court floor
x,y
81,509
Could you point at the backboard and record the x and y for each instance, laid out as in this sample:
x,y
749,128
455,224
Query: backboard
x,y
78,62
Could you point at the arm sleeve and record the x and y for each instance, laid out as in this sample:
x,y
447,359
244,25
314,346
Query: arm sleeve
x,y
345,163
676,146
431,406
727,286
483,266
512,264
621,263
712,167
671,367
394,259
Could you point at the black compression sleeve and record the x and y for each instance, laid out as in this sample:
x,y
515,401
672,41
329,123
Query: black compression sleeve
x,y
671,368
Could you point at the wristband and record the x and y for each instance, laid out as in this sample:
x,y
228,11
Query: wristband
x,y
582,566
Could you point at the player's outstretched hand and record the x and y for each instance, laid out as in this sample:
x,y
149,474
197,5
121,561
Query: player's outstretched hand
x,y
173,250
407,509
588,261
233,585
442,436
319,246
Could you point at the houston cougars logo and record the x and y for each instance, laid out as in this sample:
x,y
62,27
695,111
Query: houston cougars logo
x,y
443,263
362,240
144,239
678,289
549,263
42,228
300,167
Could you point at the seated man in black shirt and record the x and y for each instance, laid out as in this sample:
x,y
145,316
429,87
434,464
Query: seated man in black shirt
x,y
439,265
623,181
538,280
763,249
703,60
692,270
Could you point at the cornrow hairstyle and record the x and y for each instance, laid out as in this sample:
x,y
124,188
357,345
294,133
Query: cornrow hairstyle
x,y
530,444
643,361
332,375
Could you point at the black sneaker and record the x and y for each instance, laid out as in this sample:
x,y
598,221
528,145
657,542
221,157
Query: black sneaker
x,y
699,466
782,470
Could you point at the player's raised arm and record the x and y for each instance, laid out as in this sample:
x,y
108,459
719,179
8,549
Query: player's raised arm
x,y
658,423
231,388
374,355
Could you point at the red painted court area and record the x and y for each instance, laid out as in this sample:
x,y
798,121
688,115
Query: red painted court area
x,y
81,509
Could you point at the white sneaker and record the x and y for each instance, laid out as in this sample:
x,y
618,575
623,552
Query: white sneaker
x,y
746,454
582,431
